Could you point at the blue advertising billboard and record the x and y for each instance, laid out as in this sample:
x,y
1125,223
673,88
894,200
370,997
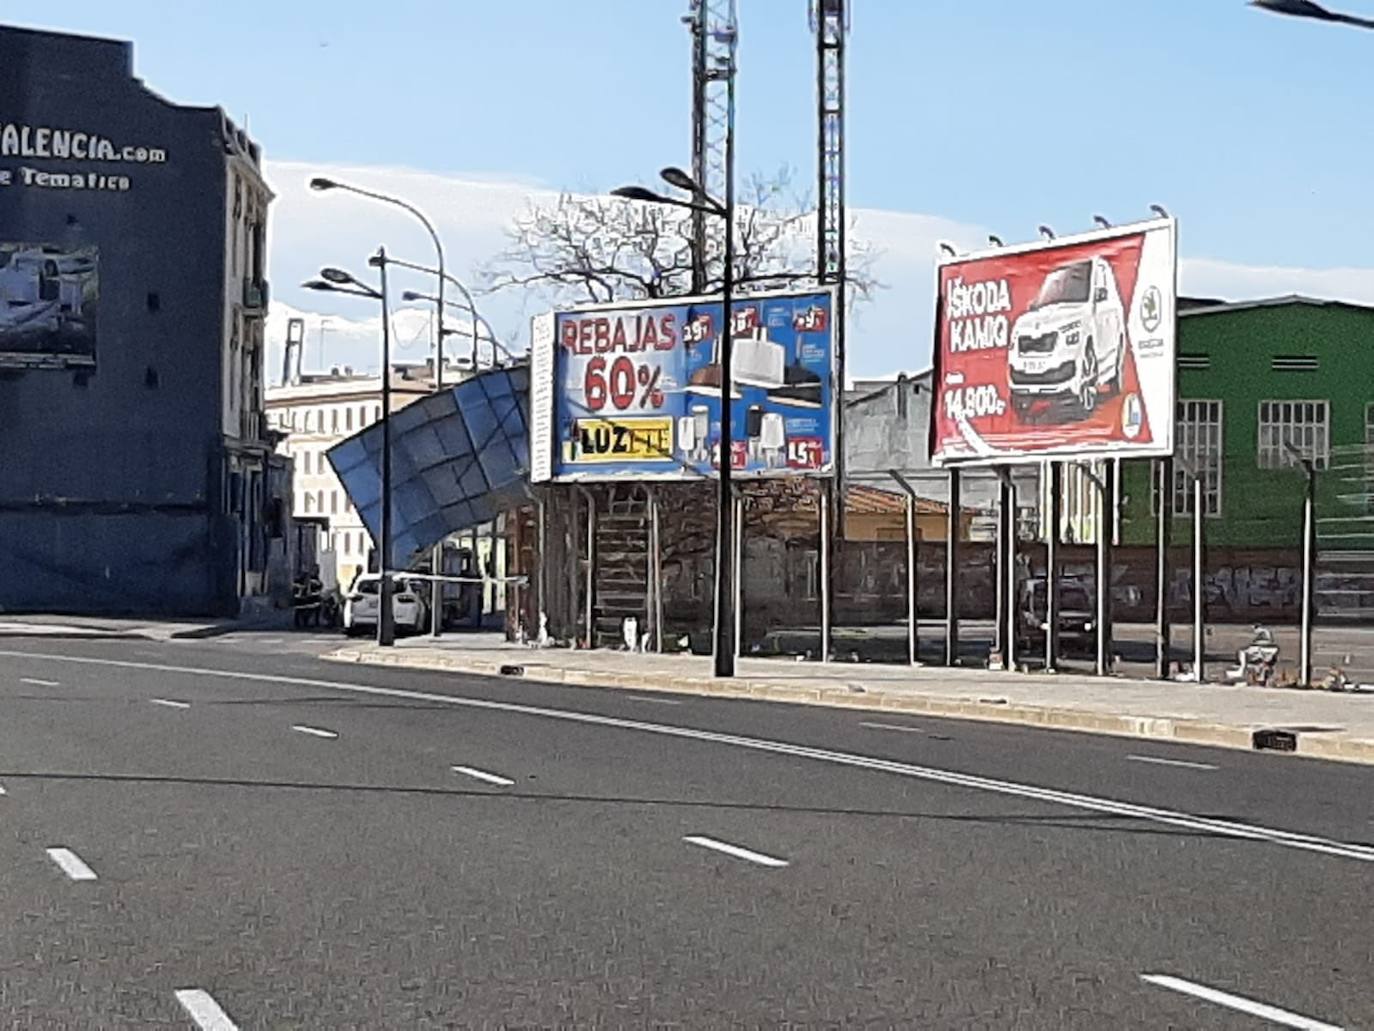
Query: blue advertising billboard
x,y
634,391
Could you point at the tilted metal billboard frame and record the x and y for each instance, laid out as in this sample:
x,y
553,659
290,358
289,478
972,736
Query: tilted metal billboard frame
x,y
631,391
1058,349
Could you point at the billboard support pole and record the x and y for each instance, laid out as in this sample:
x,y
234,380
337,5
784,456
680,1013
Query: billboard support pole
x,y
1164,474
1199,587
589,580
1052,569
737,576
1006,569
1105,524
655,569
824,591
912,556
542,588
951,572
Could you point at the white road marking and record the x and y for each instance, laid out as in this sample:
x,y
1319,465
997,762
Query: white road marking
x,y
301,728
71,864
1088,803
170,703
1240,1003
40,683
490,778
893,726
1170,762
735,850
655,701
204,1010
2,789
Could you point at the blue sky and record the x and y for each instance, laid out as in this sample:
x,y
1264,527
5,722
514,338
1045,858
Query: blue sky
x,y
993,114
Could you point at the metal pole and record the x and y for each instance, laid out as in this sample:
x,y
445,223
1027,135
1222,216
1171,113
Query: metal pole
x,y
1164,471
1008,571
1199,586
656,569
542,605
1309,524
737,573
824,590
952,572
912,550
1052,569
724,650
590,581
1105,526
386,625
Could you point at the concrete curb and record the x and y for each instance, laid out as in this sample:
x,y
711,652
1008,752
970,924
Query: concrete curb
x,y
1319,745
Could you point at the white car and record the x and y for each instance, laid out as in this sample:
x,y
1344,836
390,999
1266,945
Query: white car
x,y
408,607
1071,342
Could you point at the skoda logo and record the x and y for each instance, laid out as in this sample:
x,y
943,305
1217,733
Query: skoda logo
x,y
1150,313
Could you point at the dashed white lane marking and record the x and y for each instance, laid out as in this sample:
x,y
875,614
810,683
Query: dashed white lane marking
x,y
652,701
72,864
301,728
204,1010
893,726
734,850
40,683
1237,1002
1170,762
170,703
935,775
490,778
2,789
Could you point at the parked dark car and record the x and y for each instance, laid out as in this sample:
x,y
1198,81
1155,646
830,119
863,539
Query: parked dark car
x,y
1077,614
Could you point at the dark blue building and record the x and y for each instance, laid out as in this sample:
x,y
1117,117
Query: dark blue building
x,y
136,473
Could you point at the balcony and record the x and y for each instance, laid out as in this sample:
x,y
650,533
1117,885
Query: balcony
x,y
255,294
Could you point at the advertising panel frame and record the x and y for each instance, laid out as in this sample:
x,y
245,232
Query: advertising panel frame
x,y
546,464
46,290
1159,407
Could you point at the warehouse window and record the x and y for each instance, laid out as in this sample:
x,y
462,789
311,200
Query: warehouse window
x,y
1197,446
1289,430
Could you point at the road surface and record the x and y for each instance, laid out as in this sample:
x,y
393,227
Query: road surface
x,y
235,833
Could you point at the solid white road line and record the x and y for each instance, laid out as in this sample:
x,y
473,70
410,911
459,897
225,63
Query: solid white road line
x,y
490,778
301,728
1170,762
735,850
655,701
893,726
71,864
1072,800
204,1010
169,703
1237,1002
39,683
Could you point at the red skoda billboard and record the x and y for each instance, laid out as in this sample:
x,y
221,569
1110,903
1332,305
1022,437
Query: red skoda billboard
x,y
1064,348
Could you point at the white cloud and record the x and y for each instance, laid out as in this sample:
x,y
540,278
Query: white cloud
x,y
312,229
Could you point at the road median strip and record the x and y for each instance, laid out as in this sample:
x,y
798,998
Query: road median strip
x,y
1197,731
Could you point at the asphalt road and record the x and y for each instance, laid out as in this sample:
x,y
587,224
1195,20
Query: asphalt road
x,y
256,838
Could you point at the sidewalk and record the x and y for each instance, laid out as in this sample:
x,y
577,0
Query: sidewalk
x,y
100,627
1319,723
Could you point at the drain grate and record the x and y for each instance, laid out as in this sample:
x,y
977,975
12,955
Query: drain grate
x,y
1271,740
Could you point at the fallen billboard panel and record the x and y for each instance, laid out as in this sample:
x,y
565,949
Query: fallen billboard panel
x,y
634,391
1055,349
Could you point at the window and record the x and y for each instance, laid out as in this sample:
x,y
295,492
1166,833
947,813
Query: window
x,y
334,421
305,462
333,502
362,416
348,419
1286,427
309,503
319,500
348,543
1197,445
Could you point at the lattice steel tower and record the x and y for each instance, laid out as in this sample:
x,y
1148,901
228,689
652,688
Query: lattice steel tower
x,y
712,24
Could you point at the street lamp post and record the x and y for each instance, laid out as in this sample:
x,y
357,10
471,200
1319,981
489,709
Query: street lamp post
x,y
321,183
479,321
334,280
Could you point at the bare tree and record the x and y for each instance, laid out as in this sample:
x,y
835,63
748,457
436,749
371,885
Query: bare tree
x,y
595,248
